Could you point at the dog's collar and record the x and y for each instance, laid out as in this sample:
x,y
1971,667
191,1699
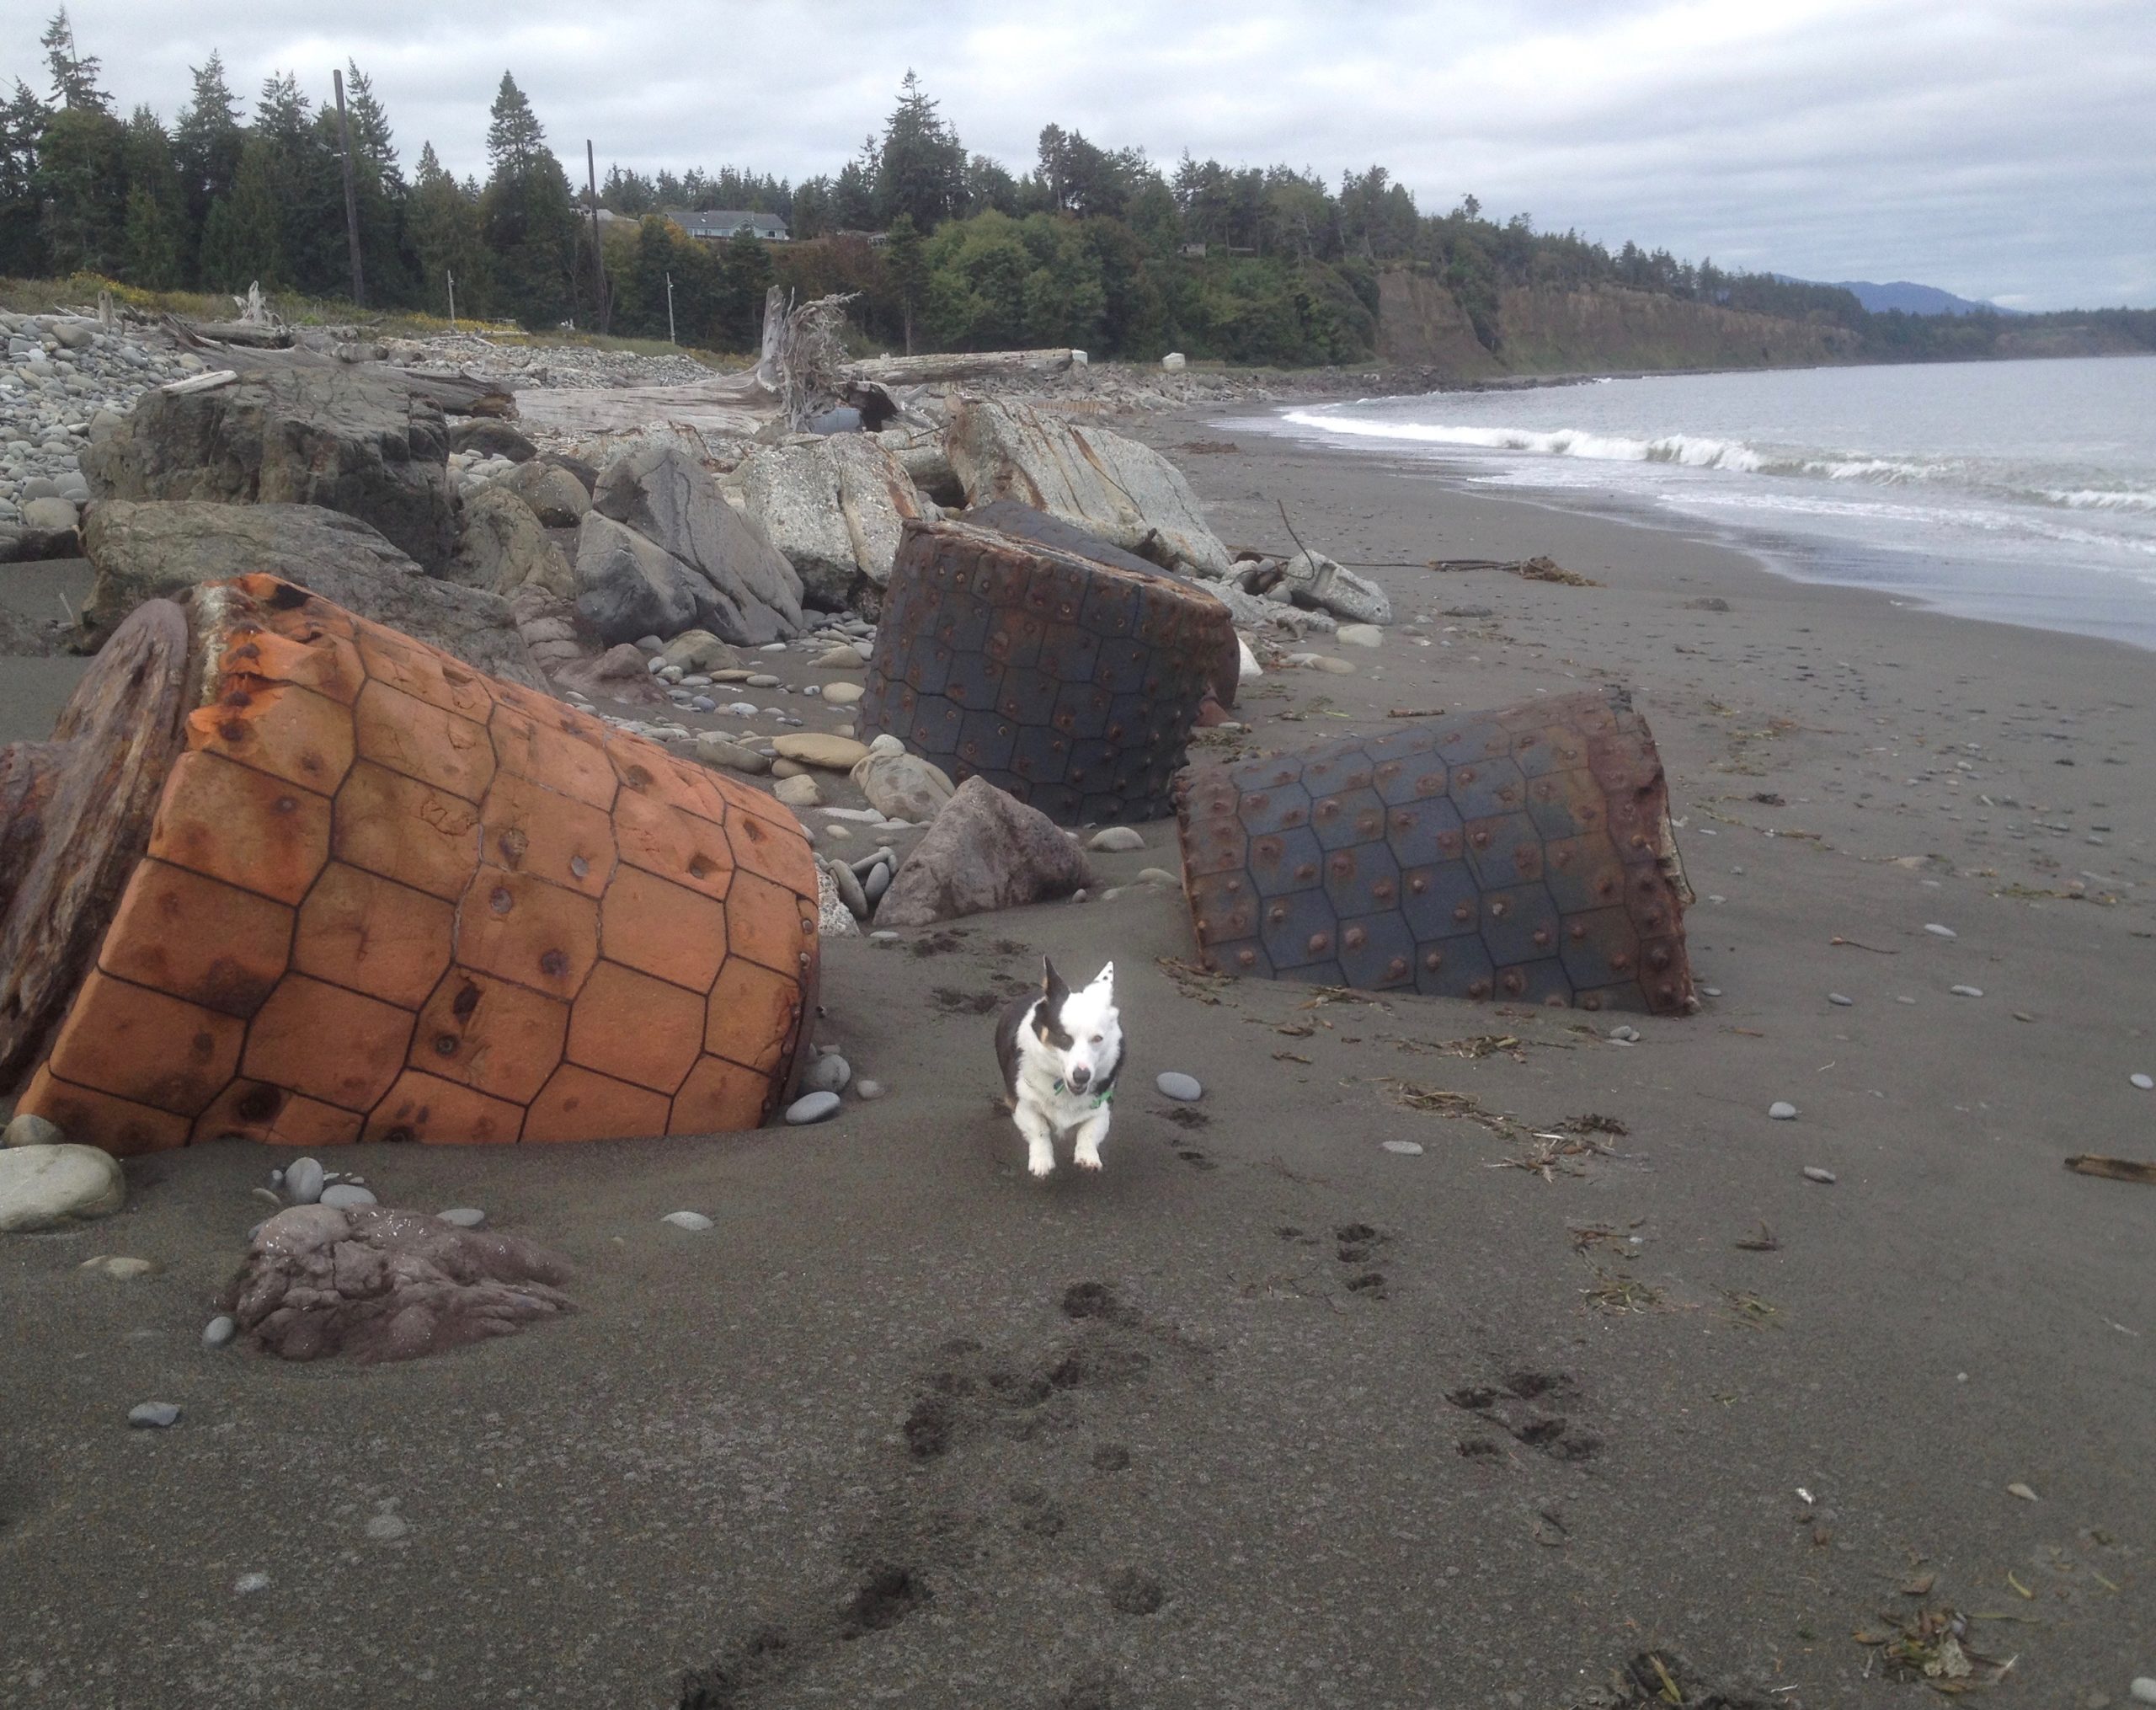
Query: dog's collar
x,y
1104,1096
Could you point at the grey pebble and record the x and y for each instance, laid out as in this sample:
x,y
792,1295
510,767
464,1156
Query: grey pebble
x,y
1625,1035
1180,1087
303,1181
811,1106
463,1217
694,1221
153,1415
1813,1172
1840,1001
220,1330
1405,1148
884,935
2142,1081
1710,990
1115,840
1938,931
342,1196
829,1073
34,1131
247,1584
867,1089
878,882
1156,875
1967,991
387,1528
1782,1110
2143,1689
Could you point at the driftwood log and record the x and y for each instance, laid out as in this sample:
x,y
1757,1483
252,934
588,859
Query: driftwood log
x,y
285,873
454,393
977,365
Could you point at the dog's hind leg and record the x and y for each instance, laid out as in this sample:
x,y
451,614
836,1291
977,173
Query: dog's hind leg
x,y
1040,1138
1085,1149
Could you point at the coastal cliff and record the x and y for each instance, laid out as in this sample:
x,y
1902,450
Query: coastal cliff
x,y
1542,329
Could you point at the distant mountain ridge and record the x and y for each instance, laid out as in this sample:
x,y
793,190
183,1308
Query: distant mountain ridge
x,y
1910,298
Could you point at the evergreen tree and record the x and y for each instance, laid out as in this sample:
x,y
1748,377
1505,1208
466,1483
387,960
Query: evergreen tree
x,y
206,143
21,244
74,76
528,215
905,261
853,192
154,238
81,182
372,137
920,167
744,276
242,238
442,217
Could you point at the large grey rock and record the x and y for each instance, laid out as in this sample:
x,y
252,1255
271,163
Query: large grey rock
x,y
51,516
556,497
1127,494
663,494
500,546
901,785
835,508
490,438
700,650
49,1187
985,851
629,586
1332,588
322,436
143,551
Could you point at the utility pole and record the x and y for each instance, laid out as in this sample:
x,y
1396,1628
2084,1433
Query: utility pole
x,y
670,309
451,277
601,310
351,198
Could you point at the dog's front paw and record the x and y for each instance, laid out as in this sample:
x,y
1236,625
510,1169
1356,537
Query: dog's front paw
x,y
1043,1162
1087,1157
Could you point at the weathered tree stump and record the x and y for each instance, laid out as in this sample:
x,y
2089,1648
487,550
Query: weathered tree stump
x,y
285,873
1522,855
1070,680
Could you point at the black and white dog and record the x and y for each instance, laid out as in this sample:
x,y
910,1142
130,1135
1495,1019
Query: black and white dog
x,y
1060,1053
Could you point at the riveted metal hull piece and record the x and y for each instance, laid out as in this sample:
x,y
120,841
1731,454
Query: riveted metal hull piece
x,y
1524,855
1070,680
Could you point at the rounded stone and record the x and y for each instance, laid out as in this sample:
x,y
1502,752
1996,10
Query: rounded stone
x,y
463,1217
799,791
1156,875
876,882
841,694
2144,1081
1405,1148
1359,634
1967,991
867,1089
1782,1111
694,1221
303,1181
48,1186
2143,1689
1938,931
1115,840
1840,1001
811,1106
1180,1087
1813,1172
343,1196
152,1415
220,1330
28,1130
829,1073
815,748
114,1265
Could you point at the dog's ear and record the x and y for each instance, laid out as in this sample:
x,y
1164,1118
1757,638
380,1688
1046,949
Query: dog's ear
x,y
1054,993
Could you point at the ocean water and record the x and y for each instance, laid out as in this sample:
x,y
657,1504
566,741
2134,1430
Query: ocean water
x,y
2023,492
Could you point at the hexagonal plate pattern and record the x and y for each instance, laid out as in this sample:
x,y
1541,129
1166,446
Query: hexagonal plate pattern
x,y
387,898
1524,855
1058,669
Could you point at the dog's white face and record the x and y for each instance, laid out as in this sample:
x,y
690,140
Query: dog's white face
x,y
1081,1029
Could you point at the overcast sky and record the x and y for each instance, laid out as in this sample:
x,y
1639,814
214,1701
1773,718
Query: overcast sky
x,y
1998,149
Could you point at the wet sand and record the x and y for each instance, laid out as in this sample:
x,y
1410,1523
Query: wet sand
x,y
1265,1415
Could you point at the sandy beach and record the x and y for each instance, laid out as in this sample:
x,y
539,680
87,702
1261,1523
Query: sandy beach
x,y
1265,1415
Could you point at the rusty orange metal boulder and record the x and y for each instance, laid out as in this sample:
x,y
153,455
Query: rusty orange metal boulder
x,y
383,897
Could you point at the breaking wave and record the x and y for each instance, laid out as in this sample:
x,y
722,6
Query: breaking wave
x,y
1701,451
